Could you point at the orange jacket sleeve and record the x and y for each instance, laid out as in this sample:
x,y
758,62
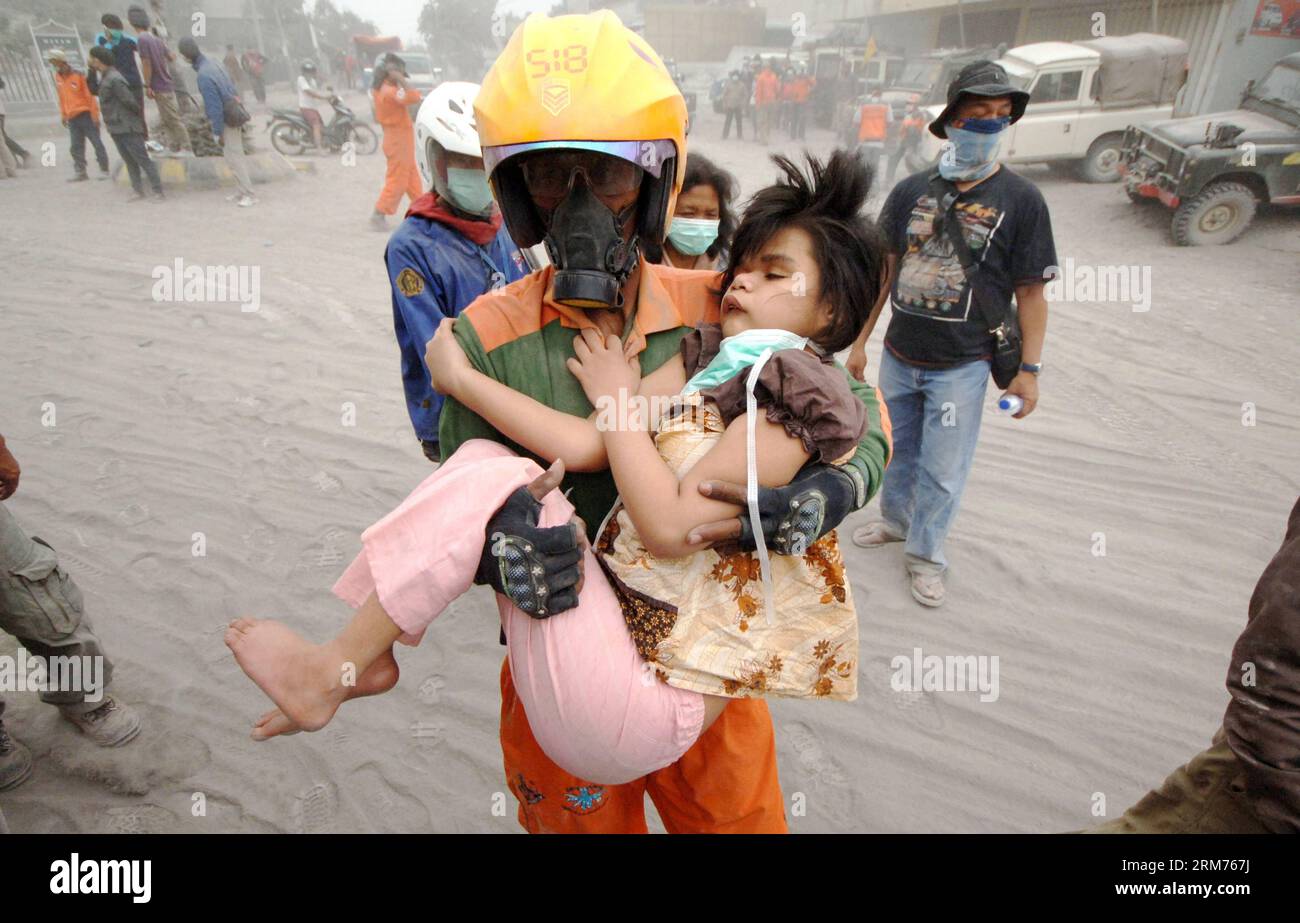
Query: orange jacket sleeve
x,y
390,109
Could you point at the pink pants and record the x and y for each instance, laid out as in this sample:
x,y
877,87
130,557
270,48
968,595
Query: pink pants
x,y
594,706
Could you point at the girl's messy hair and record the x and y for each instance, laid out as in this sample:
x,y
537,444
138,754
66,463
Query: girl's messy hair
x,y
826,202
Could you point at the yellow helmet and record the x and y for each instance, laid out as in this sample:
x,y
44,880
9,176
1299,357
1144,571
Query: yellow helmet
x,y
581,82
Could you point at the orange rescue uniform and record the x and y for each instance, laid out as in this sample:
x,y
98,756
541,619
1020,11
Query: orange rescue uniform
x,y
766,88
402,175
727,782
74,96
874,121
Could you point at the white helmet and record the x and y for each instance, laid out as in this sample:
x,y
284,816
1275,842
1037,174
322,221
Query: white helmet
x,y
445,122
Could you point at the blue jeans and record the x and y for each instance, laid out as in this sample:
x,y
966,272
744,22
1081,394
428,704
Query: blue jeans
x,y
936,422
82,128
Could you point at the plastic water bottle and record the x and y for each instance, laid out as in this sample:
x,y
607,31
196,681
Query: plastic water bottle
x,y
1010,404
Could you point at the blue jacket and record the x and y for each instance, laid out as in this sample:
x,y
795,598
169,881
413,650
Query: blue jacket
x,y
124,52
435,272
215,88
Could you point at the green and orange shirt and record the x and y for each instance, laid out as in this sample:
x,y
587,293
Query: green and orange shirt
x,y
520,336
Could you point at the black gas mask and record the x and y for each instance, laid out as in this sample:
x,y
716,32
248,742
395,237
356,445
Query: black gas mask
x,y
585,243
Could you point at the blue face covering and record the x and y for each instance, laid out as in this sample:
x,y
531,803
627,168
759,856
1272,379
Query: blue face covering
x,y
972,150
469,190
693,236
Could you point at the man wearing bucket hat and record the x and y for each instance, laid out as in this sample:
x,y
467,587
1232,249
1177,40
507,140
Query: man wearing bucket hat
x,y
952,317
583,135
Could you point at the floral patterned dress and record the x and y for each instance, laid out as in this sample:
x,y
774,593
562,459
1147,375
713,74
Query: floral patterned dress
x,y
699,619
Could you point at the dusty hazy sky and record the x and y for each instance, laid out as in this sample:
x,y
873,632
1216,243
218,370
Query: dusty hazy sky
x,y
398,17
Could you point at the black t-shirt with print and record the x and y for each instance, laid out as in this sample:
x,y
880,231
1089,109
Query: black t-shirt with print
x,y
1004,220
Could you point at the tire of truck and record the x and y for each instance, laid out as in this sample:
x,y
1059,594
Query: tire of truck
x,y
1218,215
1101,163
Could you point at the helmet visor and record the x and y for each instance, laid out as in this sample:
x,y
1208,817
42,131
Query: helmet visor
x,y
549,174
647,155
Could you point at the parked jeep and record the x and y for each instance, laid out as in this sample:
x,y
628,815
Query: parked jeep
x,y
1082,96
1213,170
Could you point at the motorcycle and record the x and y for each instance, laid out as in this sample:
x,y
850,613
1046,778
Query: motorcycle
x,y
291,135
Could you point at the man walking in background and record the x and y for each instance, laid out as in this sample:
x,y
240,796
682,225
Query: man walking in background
x,y
254,63
909,138
800,93
872,120
8,162
80,115
735,95
20,154
940,343
231,63
766,99
393,94
155,69
124,119
217,89
122,48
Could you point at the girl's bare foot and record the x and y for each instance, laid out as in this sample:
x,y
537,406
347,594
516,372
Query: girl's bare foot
x,y
378,678
307,681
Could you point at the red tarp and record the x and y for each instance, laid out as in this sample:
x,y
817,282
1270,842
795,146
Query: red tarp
x,y
377,43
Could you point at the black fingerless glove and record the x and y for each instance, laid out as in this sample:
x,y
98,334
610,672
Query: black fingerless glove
x,y
537,568
796,515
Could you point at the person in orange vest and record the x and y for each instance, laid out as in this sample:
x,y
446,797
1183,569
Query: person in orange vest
x,y
873,119
80,114
800,91
766,100
392,97
787,76
909,137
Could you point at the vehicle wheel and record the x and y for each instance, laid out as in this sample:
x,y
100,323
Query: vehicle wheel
x,y
1101,164
1219,214
287,139
366,140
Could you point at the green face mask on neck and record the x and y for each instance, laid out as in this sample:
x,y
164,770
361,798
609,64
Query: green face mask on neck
x,y
735,354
